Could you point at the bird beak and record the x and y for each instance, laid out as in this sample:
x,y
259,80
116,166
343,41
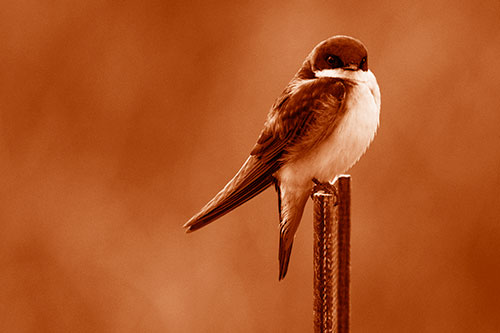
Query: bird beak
x,y
351,67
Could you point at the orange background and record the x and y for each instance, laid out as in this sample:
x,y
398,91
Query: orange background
x,y
119,120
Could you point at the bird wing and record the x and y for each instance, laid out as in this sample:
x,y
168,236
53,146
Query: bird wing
x,y
253,178
292,116
301,117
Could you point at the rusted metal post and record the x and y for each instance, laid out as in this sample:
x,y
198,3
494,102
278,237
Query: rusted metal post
x,y
332,231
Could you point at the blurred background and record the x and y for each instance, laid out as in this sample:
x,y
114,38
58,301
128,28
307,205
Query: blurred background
x,y
121,119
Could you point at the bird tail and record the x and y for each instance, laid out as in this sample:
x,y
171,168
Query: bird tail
x,y
291,206
253,178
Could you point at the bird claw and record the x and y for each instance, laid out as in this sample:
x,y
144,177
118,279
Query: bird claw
x,y
324,187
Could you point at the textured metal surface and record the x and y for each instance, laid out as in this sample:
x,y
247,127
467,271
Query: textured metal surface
x,y
325,268
332,256
342,215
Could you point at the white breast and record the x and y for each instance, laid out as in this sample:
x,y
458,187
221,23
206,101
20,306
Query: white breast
x,y
349,140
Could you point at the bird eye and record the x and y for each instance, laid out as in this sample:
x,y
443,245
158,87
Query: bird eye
x,y
363,63
334,61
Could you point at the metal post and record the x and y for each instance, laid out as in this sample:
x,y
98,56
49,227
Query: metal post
x,y
332,231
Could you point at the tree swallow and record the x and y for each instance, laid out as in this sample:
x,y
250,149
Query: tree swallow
x,y
320,125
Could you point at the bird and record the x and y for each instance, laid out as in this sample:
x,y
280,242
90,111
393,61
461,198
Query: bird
x,y
319,127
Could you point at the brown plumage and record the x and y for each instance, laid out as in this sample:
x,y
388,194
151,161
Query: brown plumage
x,y
297,123
305,136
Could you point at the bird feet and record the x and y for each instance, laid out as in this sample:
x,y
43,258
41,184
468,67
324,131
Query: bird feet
x,y
326,188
